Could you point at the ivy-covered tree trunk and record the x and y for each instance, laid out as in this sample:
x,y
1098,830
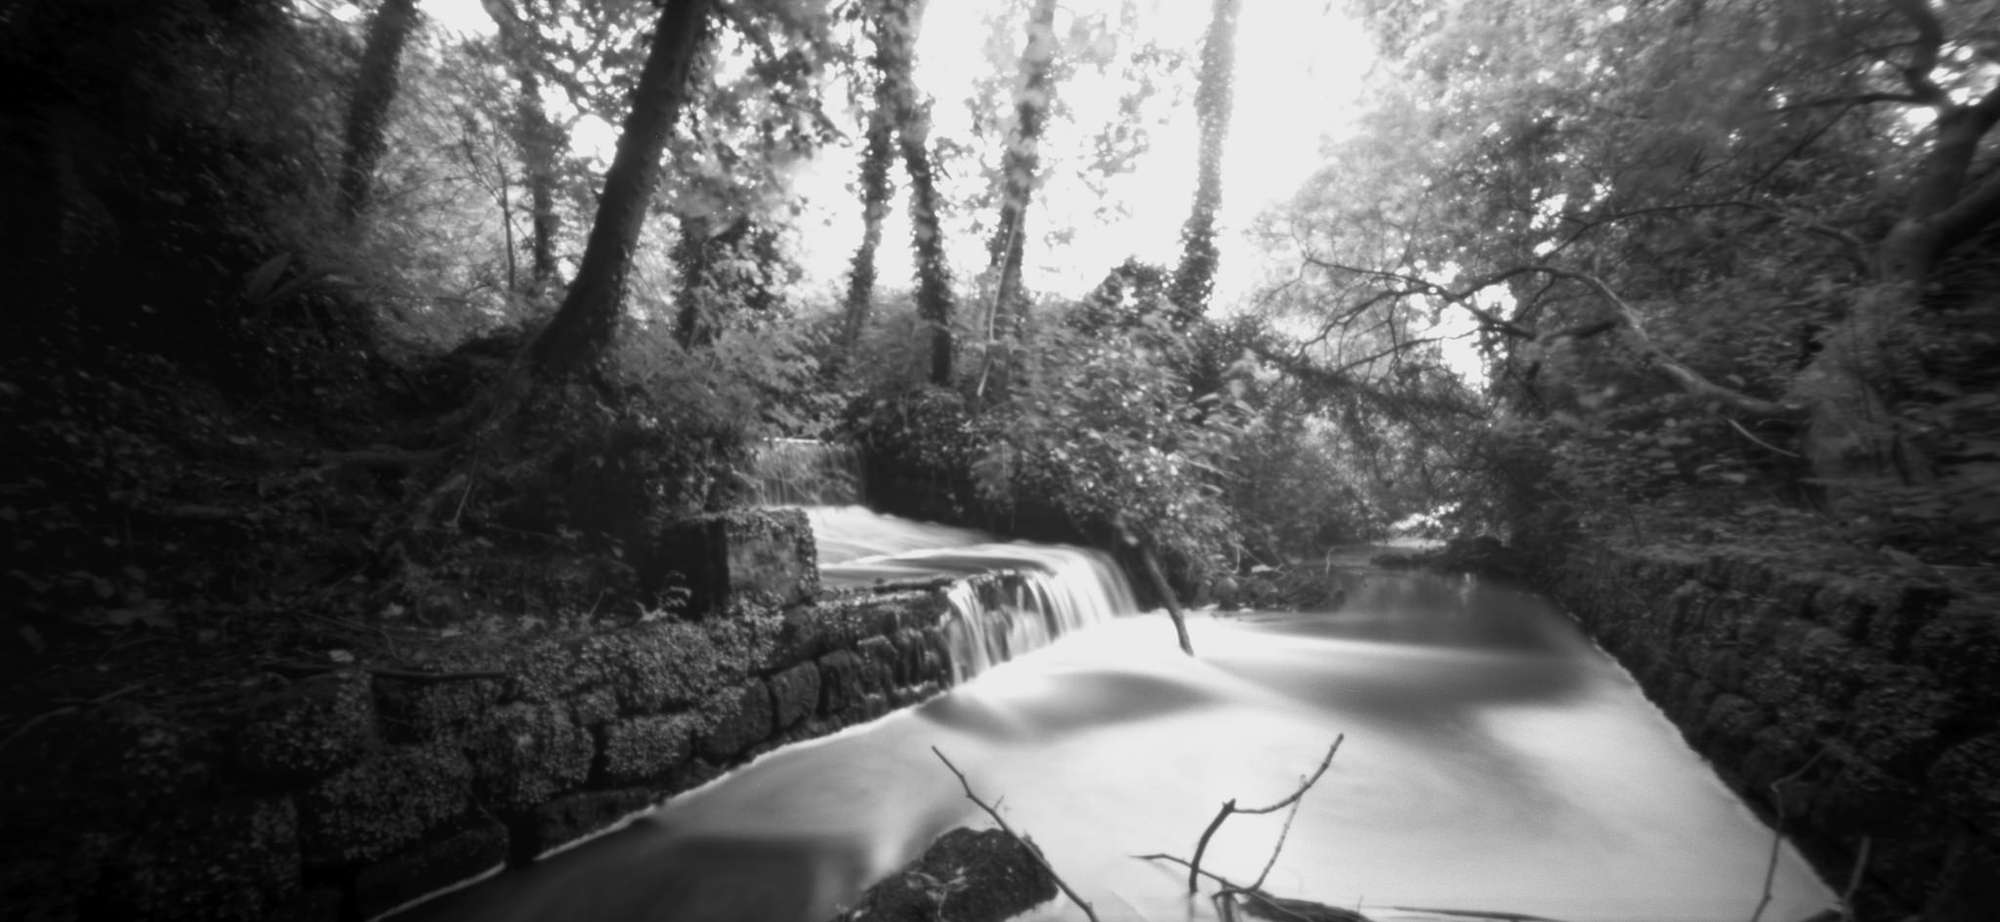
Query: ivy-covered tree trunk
x,y
368,109
538,139
692,256
896,40
1195,278
877,158
1018,167
1852,429
583,328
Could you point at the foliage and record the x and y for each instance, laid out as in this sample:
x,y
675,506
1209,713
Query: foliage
x,y
1103,428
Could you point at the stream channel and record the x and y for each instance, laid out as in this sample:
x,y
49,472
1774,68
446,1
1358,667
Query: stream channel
x,y
1495,762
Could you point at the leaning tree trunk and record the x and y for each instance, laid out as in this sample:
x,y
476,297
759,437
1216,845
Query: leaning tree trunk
x,y
1195,278
583,328
896,37
1017,178
1853,431
368,109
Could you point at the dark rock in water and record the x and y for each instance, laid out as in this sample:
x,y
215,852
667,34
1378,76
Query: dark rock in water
x,y
965,876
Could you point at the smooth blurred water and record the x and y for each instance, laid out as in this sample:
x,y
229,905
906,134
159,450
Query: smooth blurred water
x,y
1494,761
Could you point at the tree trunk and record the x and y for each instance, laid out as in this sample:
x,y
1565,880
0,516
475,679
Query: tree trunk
x,y
896,37
1195,278
1017,178
876,160
583,327
368,109
537,138
934,296
1853,431
539,142
692,257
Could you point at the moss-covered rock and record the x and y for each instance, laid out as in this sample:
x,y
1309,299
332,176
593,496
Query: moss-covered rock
x,y
526,753
1968,777
742,719
309,729
759,557
841,682
1962,647
965,876
574,816
645,749
415,711
794,694
236,859
467,849
383,803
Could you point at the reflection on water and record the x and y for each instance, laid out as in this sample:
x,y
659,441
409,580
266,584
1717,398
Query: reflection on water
x,y
1494,761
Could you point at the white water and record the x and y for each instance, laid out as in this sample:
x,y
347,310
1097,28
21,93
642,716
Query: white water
x,y
1494,761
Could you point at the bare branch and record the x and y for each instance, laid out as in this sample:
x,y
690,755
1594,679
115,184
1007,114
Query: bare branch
x,y
1689,379
1229,807
1034,849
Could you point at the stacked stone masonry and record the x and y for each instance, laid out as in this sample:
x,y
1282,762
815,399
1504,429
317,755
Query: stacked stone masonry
x,y
348,793
1862,712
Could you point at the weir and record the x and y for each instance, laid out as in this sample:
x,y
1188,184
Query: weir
x,y
1497,764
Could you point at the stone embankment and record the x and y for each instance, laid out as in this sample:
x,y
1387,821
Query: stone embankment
x,y
344,792
1860,710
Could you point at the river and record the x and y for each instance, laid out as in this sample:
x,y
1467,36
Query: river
x,y
1494,761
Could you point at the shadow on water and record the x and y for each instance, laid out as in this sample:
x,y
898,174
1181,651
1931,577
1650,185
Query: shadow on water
x,y
644,873
1087,699
1414,648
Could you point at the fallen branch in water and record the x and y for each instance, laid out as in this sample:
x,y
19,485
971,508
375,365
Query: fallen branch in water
x,y
1778,830
1229,808
1254,900
1032,847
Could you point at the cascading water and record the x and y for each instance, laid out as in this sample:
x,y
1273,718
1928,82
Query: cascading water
x,y
1497,765
1006,598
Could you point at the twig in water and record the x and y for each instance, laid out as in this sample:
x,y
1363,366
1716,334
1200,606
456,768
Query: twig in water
x,y
1854,880
1033,849
1229,807
1778,830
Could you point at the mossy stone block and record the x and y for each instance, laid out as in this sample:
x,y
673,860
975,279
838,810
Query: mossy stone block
x,y
309,729
645,749
741,558
388,801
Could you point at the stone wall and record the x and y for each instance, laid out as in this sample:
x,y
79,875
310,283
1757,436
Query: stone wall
x,y
343,792
1869,701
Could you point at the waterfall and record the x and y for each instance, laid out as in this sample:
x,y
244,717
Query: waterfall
x,y
1006,598
807,472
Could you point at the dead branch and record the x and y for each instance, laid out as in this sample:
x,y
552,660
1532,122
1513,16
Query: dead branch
x,y
1033,849
1230,808
1778,830
39,719
1854,880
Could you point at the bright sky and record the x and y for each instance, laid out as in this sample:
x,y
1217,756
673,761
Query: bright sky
x,y
1299,65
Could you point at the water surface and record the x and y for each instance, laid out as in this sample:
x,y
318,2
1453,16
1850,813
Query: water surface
x,y
1494,760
